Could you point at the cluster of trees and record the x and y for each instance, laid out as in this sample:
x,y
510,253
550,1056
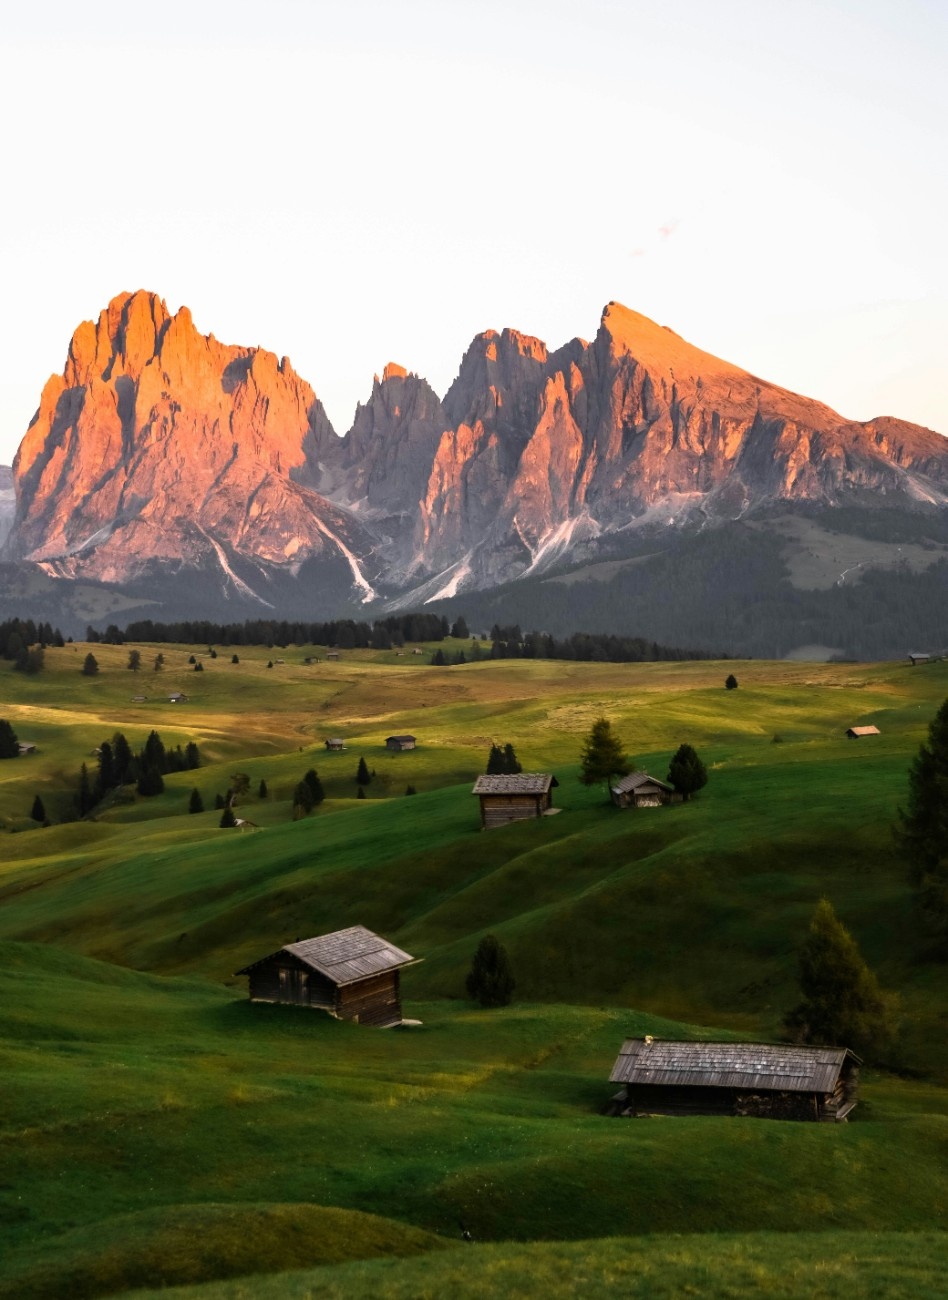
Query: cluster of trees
x,y
585,647
603,760
307,794
502,761
119,765
23,642
344,634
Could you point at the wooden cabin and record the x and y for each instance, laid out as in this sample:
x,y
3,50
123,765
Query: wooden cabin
x,y
915,659
177,697
639,790
398,743
514,798
766,1080
353,974
335,743
854,733
26,747
332,654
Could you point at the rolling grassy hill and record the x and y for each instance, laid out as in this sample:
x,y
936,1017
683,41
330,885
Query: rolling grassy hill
x,y
144,1085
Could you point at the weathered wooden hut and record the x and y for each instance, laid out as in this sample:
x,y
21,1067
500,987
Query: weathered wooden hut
x,y
639,790
917,658
397,743
332,654
767,1080
26,747
353,974
854,733
514,798
335,743
177,697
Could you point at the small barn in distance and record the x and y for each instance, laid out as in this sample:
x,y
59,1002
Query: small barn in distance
x,y
915,659
514,798
639,790
397,743
353,974
854,733
766,1080
335,743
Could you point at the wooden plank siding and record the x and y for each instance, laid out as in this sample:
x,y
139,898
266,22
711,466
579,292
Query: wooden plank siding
x,y
499,809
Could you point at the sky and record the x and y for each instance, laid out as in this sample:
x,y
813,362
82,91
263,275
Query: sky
x,y
355,183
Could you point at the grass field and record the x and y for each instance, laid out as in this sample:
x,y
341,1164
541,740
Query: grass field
x,y
159,1129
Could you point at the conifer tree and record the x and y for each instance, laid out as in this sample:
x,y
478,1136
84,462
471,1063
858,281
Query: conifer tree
x,y
315,786
363,775
134,660
38,812
360,793
410,789
511,764
123,761
686,772
490,980
192,756
228,820
602,757
90,665
235,659
85,798
730,682
195,803
495,761
262,791
302,800
9,745
842,1004
922,832
150,782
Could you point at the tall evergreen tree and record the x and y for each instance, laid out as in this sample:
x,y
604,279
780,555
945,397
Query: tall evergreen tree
x,y
490,980
153,753
363,775
107,779
686,772
842,1004
602,756
262,791
90,665
922,832
730,682
495,761
134,660
192,756
9,745
511,764
302,800
228,820
38,812
123,761
85,798
315,786
195,803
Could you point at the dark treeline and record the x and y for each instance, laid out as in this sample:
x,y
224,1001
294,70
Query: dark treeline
x,y
342,634
119,765
23,641
587,647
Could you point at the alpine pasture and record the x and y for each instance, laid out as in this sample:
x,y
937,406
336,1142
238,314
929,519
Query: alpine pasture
x,y
160,1130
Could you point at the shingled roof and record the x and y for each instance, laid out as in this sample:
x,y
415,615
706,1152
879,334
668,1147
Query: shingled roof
x,y
636,779
344,956
863,731
521,783
754,1066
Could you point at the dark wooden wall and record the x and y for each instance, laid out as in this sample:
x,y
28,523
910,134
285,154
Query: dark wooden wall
x,y
499,809
373,1001
657,1099
284,978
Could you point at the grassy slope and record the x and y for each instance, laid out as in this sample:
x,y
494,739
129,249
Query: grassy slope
x,y
138,1091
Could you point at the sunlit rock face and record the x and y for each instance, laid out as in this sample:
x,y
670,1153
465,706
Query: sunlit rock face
x,y
160,445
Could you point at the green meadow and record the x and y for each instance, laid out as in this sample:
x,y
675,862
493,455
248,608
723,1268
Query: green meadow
x,y
160,1131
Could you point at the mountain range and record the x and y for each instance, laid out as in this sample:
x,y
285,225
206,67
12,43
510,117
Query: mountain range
x,y
172,472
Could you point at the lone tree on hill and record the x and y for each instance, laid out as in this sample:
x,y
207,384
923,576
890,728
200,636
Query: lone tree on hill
x,y
922,833
363,775
235,659
9,745
603,757
195,803
134,660
686,772
90,665
730,682
490,980
311,778
228,820
159,662
38,812
262,791
842,1004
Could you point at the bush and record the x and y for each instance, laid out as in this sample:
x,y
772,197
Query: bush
x,y
490,980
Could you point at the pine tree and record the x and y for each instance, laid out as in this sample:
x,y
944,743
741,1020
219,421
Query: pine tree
x,y
495,761
730,682
235,659
123,760
150,782
9,745
490,980
511,765
90,665
199,667
38,812
106,779
228,820
262,791
159,662
360,793
153,754
219,802
922,832
195,803
134,660
410,789
315,786
302,799
842,1004
437,658
192,756
602,757
85,798
686,772
363,776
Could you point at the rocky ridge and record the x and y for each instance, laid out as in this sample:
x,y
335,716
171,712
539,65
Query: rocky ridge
x,y
159,448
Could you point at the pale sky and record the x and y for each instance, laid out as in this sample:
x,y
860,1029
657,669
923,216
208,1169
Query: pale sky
x,y
353,183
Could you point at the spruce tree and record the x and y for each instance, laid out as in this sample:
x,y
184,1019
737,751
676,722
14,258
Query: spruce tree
x,y
360,793
315,786
922,832
85,798
302,800
38,812
192,756
602,756
134,660
511,765
150,782
842,1004
363,776
730,682
410,789
495,761
195,803
235,659
686,772
262,791
123,761
228,820
490,980
90,665
9,745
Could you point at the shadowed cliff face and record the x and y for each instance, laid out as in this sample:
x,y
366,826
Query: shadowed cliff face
x,y
159,444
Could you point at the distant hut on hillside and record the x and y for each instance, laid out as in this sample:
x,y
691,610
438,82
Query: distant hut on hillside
x,y
398,743
332,654
915,659
26,747
854,733
353,974
639,790
514,798
335,743
177,697
766,1080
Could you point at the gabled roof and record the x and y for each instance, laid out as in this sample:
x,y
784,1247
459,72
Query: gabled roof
x,y
863,731
522,783
636,779
388,738
769,1066
345,956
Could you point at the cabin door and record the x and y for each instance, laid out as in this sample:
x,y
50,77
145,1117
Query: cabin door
x,y
294,985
